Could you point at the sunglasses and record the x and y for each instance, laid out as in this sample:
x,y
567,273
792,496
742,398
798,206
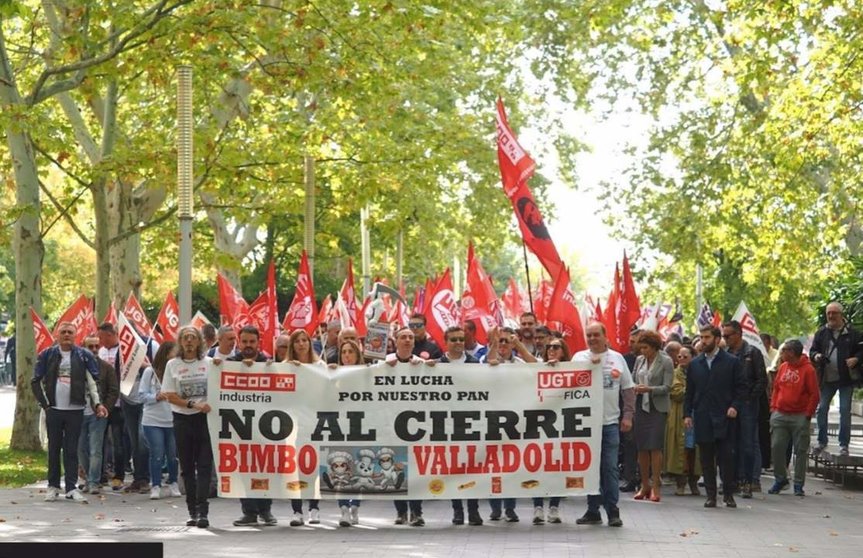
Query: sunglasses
x,y
456,339
93,347
555,346
416,326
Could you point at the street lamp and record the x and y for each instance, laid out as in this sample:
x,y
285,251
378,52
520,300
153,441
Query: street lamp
x,y
184,189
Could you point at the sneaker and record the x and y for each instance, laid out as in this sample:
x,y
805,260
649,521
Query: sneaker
x,y
778,487
746,490
246,521
474,519
155,493
355,515
116,484
494,516
314,517
798,490
418,521
82,483
511,516
203,522
76,496
589,518
94,488
297,520
553,515
175,490
401,519
345,520
843,451
192,521
538,515
269,519
710,502
458,517
52,494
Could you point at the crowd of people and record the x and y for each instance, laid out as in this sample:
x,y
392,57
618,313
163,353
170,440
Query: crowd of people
x,y
674,408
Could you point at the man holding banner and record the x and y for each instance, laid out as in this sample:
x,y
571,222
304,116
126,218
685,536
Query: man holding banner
x,y
64,374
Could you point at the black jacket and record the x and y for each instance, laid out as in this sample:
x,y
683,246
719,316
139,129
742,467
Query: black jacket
x,y
849,344
754,371
710,391
44,382
468,359
427,346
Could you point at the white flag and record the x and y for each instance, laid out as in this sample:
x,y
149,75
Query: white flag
x,y
133,354
750,329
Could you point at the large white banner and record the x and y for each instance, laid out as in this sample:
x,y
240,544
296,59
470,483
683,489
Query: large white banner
x,y
409,431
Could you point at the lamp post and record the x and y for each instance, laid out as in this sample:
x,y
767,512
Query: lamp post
x,y
184,189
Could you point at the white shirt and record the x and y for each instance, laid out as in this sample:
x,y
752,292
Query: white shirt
x,y
188,379
615,377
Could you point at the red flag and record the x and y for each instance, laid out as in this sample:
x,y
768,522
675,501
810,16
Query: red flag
x,y
564,310
717,319
44,338
513,301
417,306
326,310
479,301
348,296
111,316
168,320
399,314
77,314
542,300
609,317
258,313
629,307
88,326
441,309
232,306
136,316
516,167
360,324
303,312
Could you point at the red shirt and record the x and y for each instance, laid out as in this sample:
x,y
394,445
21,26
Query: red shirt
x,y
795,390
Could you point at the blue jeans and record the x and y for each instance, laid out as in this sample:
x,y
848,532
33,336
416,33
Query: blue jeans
x,y
827,393
553,502
748,448
609,489
163,446
355,503
90,443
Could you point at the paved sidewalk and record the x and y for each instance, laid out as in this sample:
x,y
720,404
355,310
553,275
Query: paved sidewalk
x,y
825,523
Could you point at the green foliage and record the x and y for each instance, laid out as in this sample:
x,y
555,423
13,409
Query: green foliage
x,y
20,468
847,290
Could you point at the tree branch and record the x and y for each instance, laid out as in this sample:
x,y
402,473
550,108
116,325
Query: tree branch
x,y
64,214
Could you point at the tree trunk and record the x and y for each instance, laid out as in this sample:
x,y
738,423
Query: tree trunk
x,y
28,249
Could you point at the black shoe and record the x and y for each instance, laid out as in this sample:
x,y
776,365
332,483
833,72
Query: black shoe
x,y
729,501
401,519
746,490
192,521
246,521
614,519
590,518
629,487
495,515
474,519
711,502
269,519
203,522
418,521
511,516
458,517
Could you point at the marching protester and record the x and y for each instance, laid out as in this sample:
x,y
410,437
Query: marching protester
x,y
109,347
680,453
795,398
755,375
471,345
281,345
715,390
64,376
158,422
527,335
226,343
331,345
185,387
93,427
836,351
628,449
349,355
654,373
617,387
424,346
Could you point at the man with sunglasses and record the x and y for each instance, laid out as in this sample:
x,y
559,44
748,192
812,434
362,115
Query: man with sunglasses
x,y
93,427
455,353
424,346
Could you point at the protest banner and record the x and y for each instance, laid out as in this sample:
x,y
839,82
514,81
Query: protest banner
x,y
750,329
133,354
406,431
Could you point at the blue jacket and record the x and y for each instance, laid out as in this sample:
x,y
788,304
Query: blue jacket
x,y
44,380
710,391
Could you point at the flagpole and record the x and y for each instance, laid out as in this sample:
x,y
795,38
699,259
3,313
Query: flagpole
x,y
527,274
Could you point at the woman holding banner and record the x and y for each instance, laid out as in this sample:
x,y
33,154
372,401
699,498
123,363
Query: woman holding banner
x,y
349,355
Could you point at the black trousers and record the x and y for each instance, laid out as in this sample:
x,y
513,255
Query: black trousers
x,y
64,427
629,457
416,506
472,505
297,505
116,422
196,460
132,415
256,506
721,453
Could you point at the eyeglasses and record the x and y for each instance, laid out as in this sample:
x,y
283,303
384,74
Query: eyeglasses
x,y
504,341
416,326
456,339
93,347
555,346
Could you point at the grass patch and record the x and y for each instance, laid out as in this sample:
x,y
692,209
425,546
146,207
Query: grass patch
x,y
20,468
